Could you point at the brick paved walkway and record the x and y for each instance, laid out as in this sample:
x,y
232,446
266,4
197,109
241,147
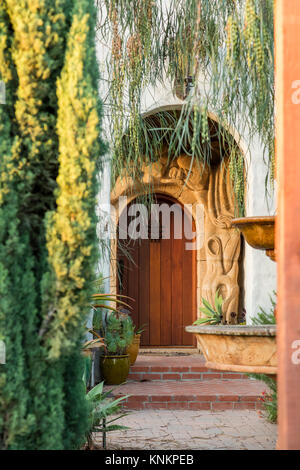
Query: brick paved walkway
x,y
195,395
184,382
202,430
191,367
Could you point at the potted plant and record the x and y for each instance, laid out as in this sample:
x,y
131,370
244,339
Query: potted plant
x,y
118,332
134,347
104,305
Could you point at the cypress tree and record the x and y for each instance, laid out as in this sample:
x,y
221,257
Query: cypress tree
x,y
49,148
17,293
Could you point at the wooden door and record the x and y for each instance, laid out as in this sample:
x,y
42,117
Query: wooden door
x,y
160,275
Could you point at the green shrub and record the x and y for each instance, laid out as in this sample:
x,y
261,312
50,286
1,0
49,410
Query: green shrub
x,y
269,400
266,318
103,412
118,333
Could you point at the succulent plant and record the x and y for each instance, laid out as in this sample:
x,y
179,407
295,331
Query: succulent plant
x,y
213,315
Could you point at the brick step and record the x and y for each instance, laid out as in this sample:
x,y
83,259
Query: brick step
x,y
183,368
215,395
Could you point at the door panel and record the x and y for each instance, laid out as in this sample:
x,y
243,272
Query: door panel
x,y
159,275
176,287
143,314
155,286
166,293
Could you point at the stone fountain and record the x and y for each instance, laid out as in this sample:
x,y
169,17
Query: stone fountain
x,y
258,233
243,348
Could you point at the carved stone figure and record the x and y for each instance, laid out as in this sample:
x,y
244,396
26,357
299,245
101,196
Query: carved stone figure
x,y
222,244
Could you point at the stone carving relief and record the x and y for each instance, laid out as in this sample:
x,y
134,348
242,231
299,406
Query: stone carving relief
x,y
211,187
177,173
222,244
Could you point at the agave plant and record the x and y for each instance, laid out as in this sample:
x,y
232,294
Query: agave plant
x,y
102,413
105,301
87,349
98,342
213,314
99,301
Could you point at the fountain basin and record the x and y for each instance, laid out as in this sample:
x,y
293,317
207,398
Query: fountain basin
x,y
258,232
238,348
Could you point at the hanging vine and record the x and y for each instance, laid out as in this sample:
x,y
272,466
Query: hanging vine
x,y
227,45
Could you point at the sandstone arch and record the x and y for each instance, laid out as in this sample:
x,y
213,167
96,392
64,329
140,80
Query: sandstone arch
x,y
219,245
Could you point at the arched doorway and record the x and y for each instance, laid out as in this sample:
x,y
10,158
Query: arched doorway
x,y
219,254
159,273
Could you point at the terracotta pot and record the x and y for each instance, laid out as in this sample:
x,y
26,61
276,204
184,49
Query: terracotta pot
x,y
133,349
238,348
115,369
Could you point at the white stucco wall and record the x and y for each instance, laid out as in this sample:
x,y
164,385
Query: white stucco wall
x,y
260,271
104,228
103,199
